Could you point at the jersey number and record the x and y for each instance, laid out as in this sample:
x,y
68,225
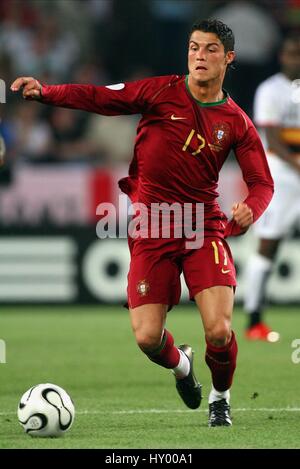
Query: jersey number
x,y
216,253
188,141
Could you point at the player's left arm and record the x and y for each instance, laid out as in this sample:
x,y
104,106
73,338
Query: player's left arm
x,y
252,160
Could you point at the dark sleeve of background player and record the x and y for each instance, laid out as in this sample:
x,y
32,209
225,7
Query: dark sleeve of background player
x,y
251,157
132,98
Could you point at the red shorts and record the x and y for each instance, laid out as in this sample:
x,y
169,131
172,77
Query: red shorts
x,y
156,265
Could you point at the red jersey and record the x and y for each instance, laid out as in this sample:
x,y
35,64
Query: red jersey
x,y
181,143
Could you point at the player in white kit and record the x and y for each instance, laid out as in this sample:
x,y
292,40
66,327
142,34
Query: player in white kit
x,y
277,116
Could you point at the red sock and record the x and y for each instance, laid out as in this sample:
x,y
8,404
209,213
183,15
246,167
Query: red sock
x,y
222,363
167,355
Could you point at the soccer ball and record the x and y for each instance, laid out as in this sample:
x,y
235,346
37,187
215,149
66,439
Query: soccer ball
x,y
46,410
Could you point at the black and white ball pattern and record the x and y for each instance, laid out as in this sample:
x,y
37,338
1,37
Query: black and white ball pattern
x,y
46,410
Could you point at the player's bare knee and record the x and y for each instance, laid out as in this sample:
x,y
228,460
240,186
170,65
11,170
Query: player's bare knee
x,y
219,334
148,342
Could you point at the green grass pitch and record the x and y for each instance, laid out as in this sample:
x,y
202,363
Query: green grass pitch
x,y
123,400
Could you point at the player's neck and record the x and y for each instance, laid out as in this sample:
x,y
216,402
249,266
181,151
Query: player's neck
x,y
206,92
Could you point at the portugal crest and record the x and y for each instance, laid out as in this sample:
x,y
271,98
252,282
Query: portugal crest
x,y
220,133
143,288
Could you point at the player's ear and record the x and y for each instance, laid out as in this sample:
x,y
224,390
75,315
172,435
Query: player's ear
x,y
230,56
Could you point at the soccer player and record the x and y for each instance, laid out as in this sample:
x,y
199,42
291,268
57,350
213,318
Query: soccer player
x,y
188,127
277,113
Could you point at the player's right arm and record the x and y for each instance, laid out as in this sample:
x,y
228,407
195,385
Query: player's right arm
x,y
123,98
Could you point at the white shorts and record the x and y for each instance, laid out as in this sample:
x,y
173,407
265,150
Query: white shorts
x,y
284,208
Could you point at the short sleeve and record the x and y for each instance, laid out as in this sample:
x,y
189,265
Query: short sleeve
x,y
267,108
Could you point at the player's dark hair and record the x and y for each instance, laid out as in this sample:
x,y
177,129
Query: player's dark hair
x,y
221,30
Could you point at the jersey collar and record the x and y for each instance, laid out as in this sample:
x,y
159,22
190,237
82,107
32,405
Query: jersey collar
x,y
216,103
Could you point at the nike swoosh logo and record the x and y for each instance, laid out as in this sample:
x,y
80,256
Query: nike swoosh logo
x,y
174,118
225,271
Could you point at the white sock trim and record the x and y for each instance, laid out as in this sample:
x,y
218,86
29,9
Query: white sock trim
x,y
183,367
215,395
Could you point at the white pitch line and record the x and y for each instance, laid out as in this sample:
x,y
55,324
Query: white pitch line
x,y
183,411
172,411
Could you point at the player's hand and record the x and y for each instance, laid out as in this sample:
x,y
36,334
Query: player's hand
x,y
242,215
31,88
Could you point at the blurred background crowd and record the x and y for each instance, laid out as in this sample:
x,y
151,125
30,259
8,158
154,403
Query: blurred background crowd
x,y
106,41
60,164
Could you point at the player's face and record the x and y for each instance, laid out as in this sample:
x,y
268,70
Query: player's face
x,y
290,59
206,57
